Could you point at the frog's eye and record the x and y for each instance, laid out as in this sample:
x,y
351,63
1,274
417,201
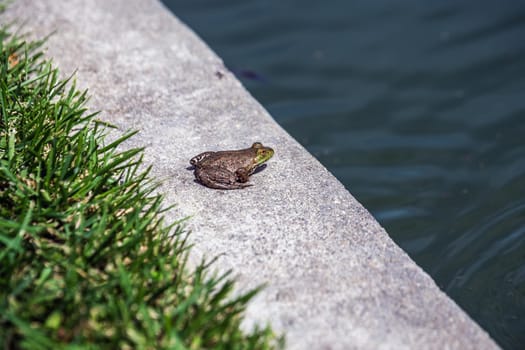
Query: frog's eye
x,y
264,153
257,145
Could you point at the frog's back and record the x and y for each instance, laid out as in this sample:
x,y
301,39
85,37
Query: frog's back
x,y
231,160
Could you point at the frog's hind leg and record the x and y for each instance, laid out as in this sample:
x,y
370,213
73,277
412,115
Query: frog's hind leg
x,y
195,160
219,178
233,186
242,175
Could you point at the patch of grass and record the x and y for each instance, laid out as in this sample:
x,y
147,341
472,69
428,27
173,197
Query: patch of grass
x,y
86,261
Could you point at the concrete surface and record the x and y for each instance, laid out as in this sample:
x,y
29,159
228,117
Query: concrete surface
x,y
335,278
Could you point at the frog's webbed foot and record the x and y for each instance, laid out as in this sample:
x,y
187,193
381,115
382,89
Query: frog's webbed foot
x,y
219,178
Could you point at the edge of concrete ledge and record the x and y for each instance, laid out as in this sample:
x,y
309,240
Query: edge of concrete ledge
x,y
335,278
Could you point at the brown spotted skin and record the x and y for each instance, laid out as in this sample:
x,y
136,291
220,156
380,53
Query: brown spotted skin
x,y
220,178
229,170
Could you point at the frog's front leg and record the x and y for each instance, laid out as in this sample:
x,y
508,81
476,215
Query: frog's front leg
x,y
219,178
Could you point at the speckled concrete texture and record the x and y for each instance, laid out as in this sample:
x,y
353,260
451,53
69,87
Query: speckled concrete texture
x,y
335,280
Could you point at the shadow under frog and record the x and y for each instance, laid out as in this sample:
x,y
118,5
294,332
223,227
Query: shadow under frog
x,y
229,170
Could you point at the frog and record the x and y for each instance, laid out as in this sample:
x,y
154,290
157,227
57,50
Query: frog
x,y
229,170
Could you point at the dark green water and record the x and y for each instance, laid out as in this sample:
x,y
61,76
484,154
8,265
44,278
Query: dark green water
x,y
418,107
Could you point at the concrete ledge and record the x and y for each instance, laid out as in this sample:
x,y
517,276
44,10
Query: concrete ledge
x,y
335,278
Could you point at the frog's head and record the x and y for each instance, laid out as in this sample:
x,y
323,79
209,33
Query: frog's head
x,y
262,153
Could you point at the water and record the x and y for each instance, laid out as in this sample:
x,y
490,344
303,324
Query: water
x,y
418,108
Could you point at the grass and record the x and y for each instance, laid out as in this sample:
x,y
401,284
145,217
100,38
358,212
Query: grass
x,y
86,261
